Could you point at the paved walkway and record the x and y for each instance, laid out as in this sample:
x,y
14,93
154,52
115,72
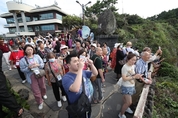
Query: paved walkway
x,y
108,108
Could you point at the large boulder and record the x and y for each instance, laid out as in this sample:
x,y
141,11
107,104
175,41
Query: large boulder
x,y
107,22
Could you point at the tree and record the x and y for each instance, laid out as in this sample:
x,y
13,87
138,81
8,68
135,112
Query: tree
x,y
100,6
71,21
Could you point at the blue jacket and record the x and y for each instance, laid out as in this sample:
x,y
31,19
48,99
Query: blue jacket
x,y
24,66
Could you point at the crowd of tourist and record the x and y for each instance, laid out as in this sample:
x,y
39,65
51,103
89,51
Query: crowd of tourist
x,y
69,64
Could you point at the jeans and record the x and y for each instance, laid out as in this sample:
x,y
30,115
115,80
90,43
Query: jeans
x,y
97,89
128,90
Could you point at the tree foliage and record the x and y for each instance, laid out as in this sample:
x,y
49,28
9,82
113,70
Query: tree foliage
x,y
166,15
100,6
70,21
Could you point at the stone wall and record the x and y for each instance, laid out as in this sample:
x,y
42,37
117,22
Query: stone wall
x,y
148,112
109,39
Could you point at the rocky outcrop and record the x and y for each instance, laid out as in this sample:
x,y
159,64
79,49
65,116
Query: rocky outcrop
x,y
107,22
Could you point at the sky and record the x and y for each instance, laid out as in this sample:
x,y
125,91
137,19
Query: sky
x,y
143,8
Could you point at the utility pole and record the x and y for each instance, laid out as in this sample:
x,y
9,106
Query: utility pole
x,y
83,10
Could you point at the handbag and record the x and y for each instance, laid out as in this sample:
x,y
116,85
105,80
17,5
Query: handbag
x,y
80,106
58,82
38,73
93,78
119,82
122,62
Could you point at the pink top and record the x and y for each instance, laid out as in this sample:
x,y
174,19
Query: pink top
x,y
85,66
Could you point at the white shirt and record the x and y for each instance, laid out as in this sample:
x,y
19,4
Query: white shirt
x,y
128,71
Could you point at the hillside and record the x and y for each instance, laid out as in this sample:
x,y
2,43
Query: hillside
x,y
160,30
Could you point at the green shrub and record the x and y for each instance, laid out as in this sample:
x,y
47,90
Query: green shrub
x,y
19,100
168,70
165,99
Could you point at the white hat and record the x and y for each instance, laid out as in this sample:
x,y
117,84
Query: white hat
x,y
63,46
93,44
39,40
116,45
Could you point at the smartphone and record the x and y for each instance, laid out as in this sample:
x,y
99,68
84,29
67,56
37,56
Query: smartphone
x,y
83,57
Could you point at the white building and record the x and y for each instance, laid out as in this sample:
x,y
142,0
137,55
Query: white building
x,y
24,19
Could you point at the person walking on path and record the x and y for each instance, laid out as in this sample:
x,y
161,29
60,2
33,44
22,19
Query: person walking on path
x,y
14,58
29,63
53,66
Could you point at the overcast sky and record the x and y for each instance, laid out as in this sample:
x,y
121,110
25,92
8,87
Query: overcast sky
x,y
143,8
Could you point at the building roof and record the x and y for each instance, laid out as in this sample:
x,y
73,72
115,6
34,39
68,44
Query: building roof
x,y
17,7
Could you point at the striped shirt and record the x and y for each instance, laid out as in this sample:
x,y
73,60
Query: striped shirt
x,y
141,68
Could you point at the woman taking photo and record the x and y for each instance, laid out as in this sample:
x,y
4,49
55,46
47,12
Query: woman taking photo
x,y
29,63
54,71
128,83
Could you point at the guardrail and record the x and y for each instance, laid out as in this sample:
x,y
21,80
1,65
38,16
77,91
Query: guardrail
x,y
143,98
142,101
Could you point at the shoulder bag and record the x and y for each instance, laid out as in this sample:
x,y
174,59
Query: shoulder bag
x,y
123,61
80,106
38,74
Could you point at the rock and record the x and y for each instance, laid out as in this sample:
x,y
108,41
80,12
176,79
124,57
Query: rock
x,y
151,92
27,114
36,115
148,112
24,93
107,22
150,106
150,97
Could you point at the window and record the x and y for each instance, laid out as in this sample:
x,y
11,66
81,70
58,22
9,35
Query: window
x,y
35,18
58,16
60,27
30,29
47,27
46,16
37,28
22,29
19,19
12,30
10,20
28,19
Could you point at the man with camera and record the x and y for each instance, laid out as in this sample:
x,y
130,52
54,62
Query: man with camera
x,y
77,83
